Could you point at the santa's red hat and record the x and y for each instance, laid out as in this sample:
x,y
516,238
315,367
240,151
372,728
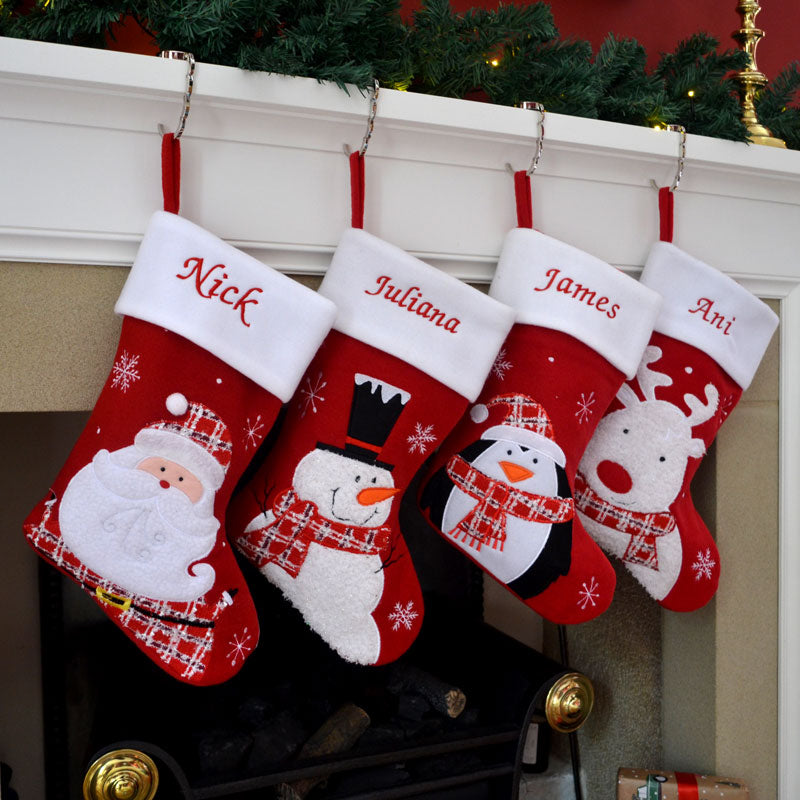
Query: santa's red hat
x,y
526,423
196,439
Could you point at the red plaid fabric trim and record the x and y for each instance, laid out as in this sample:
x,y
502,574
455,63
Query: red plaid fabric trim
x,y
298,523
486,522
205,428
524,412
177,633
643,528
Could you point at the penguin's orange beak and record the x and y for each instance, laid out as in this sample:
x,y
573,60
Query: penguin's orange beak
x,y
368,497
514,472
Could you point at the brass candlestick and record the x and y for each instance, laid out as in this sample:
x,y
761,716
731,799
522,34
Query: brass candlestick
x,y
751,78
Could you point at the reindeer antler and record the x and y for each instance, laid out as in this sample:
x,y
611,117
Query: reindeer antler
x,y
702,412
650,379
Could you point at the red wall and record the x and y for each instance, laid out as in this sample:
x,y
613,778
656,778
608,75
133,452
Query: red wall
x,y
660,24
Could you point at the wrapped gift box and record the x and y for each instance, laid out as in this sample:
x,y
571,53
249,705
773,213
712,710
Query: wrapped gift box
x,y
650,784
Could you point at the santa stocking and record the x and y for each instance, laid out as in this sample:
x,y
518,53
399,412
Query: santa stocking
x,y
501,486
212,342
633,483
410,347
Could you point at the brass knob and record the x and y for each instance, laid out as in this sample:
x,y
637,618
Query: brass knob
x,y
569,702
121,775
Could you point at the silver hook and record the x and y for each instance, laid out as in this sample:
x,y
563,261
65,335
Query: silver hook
x,y
681,158
532,106
373,110
187,95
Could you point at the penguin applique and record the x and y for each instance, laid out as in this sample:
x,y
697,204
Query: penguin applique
x,y
324,540
505,500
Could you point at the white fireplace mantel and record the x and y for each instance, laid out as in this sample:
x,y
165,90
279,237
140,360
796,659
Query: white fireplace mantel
x,y
264,168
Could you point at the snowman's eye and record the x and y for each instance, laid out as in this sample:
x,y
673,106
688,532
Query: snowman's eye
x,y
375,480
535,460
358,478
508,452
625,430
663,458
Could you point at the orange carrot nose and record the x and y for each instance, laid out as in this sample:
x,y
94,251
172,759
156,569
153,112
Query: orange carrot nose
x,y
368,497
514,472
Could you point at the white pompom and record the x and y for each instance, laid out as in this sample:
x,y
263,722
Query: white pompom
x,y
479,413
177,404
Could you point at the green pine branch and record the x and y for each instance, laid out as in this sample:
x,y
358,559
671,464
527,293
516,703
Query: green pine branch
x,y
774,106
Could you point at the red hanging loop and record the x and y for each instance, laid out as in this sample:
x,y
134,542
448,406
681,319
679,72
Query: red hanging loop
x,y
666,204
522,190
357,189
171,172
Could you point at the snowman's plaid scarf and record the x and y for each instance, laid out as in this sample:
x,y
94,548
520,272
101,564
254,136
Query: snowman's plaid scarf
x,y
643,528
486,522
297,524
174,632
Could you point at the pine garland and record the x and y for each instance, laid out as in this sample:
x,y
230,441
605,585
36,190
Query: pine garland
x,y
507,55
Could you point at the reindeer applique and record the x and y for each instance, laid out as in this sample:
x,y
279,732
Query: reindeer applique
x,y
633,471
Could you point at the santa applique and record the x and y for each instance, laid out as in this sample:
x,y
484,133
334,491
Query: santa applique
x,y
134,526
505,499
325,540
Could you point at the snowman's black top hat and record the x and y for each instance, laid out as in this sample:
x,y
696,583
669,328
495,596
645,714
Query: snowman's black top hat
x,y
375,409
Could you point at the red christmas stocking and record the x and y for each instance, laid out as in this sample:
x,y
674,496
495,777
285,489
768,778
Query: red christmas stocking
x,y
212,342
410,347
633,484
501,486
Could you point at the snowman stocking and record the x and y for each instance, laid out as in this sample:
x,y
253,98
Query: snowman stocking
x,y
212,342
410,347
633,482
501,486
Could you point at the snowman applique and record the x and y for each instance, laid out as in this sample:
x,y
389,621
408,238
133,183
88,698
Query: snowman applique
x,y
505,499
325,540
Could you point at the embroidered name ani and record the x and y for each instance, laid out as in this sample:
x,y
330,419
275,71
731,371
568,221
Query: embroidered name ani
x,y
218,287
410,302
578,292
705,307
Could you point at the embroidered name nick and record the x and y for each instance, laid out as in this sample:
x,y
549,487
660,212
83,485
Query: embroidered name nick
x,y
209,287
579,292
409,301
717,320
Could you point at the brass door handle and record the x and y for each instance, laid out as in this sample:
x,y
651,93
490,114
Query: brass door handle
x,y
121,775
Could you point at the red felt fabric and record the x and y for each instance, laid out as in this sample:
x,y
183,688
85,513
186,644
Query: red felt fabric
x,y
357,189
666,205
171,172
522,192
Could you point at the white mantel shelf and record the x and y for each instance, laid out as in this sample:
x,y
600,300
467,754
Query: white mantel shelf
x,y
263,168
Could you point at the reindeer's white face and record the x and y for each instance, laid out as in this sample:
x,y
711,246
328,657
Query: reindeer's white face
x,y
637,456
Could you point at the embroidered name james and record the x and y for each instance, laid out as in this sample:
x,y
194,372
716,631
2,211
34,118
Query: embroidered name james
x,y
209,288
409,301
579,292
705,307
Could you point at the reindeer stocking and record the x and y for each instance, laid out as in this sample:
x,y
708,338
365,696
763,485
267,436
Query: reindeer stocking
x,y
632,488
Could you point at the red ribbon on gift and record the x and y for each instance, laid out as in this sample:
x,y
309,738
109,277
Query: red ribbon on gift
x,y
687,786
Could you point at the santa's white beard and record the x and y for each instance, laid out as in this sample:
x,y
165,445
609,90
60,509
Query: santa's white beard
x,y
122,525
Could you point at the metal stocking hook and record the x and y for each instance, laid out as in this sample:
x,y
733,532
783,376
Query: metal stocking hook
x,y
681,158
531,106
373,110
187,95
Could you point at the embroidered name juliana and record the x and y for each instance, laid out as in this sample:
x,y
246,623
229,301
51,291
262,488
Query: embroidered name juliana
x,y
717,320
410,302
579,292
210,288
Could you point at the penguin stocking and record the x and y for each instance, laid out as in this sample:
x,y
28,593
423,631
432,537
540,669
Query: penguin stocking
x,y
501,486
212,342
410,348
633,482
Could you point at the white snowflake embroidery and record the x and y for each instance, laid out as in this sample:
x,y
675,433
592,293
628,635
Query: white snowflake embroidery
x,y
312,394
501,365
419,440
239,647
403,615
703,565
252,435
125,372
726,405
588,594
585,407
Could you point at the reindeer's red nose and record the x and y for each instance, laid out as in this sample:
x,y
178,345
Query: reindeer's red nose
x,y
614,476
163,484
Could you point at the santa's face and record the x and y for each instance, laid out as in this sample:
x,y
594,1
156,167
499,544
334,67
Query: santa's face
x,y
345,490
521,466
173,475
138,526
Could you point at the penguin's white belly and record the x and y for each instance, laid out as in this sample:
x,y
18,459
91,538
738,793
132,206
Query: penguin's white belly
x,y
523,545
337,592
